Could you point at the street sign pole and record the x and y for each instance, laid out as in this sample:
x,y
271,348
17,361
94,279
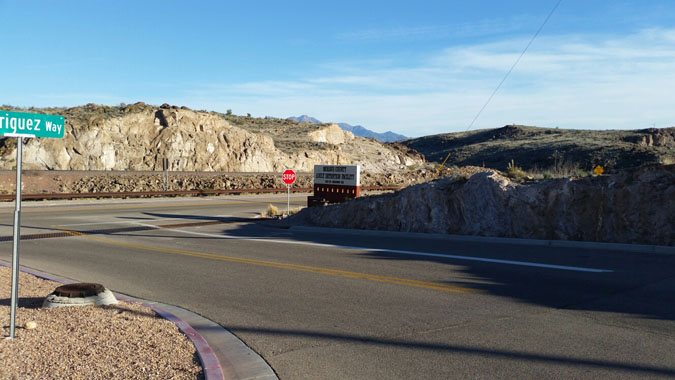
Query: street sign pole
x,y
17,239
20,125
288,204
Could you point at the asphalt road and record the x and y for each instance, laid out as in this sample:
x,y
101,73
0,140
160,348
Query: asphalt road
x,y
343,306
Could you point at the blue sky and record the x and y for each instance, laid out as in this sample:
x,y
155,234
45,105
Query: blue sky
x,y
415,68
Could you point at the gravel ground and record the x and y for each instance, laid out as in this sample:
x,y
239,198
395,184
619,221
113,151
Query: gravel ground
x,y
124,341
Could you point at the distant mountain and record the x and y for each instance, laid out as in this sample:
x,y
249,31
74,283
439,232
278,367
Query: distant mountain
x,y
304,119
357,130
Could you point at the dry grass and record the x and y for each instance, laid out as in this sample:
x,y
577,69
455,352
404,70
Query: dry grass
x,y
295,211
273,211
515,172
567,169
668,160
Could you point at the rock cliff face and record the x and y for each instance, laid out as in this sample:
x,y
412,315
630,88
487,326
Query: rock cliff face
x,y
191,141
629,207
142,136
331,134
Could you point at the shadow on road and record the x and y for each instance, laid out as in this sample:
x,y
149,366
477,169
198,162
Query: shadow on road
x,y
519,356
641,285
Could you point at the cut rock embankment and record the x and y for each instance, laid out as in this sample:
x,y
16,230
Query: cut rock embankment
x,y
630,207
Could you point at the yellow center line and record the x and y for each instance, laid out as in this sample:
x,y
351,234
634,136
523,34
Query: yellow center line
x,y
123,207
272,264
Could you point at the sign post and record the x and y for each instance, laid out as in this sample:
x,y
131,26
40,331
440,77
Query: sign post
x,y
17,240
288,177
165,168
20,125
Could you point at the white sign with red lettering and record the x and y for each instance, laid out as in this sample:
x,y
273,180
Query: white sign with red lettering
x,y
288,177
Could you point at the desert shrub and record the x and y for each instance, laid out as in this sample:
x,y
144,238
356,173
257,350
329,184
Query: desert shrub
x,y
295,211
460,178
515,172
272,210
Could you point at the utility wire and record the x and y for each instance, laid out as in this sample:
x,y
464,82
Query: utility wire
x,y
504,79
514,65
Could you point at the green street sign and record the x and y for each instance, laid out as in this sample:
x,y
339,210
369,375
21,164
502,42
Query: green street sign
x,y
21,124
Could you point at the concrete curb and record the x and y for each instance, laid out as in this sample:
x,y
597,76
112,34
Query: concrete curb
x,y
657,249
237,361
226,357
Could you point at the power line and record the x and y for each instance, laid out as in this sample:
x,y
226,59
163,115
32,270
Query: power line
x,y
504,79
514,65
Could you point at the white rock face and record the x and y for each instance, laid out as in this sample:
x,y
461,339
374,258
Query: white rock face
x,y
194,141
332,134
108,157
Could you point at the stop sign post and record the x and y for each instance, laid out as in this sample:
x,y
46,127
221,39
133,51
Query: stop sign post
x,y
288,177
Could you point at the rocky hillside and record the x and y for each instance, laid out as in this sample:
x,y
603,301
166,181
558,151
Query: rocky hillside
x,y
628,207
137,137
550,149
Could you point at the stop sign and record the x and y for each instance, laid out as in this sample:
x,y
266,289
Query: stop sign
x,y
288,177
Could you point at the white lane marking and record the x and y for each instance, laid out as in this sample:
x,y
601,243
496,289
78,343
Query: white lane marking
x,y
92,224
402,252
123,222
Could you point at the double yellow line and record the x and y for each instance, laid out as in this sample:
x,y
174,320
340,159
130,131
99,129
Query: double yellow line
x,y
272,264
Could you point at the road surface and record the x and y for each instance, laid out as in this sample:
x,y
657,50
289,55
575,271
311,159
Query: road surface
x,y
348,306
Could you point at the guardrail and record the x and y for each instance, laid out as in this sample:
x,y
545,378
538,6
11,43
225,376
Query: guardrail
x,y
141,194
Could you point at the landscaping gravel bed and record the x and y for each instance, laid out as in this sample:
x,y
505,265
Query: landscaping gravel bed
x,y
123,341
